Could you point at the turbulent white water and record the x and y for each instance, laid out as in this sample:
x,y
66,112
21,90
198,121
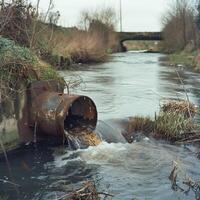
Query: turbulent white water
x,y
140,169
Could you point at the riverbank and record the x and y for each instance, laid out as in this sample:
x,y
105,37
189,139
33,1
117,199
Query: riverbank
x,y
91,41
146,46
19,68
174,123
72,46
183,59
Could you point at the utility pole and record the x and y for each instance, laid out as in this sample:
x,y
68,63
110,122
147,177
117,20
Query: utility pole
x,y
120,14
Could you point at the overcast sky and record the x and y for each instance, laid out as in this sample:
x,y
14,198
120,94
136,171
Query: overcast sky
x,y
138,15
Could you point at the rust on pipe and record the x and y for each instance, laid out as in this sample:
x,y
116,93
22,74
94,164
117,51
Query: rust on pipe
x,y
54,112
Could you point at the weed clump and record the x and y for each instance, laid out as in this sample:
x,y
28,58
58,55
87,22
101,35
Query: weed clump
x,y
175,122
140,124
20,62
173,126
87,191
184,108
19,67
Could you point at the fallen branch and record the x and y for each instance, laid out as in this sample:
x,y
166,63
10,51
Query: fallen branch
x,y
192,185
6,181
88,191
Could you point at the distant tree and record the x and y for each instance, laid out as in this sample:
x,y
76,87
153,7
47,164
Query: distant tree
x,y
106,16
198,16
179,26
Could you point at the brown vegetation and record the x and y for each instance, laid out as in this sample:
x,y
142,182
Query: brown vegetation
x,y
180,30
59,46
138,124
92,41
174,123
149,46
87,192
184,108
16,20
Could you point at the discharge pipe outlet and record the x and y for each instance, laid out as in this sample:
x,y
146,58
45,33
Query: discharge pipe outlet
x,y
54,113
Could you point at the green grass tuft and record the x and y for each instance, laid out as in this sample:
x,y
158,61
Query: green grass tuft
x,y
172,126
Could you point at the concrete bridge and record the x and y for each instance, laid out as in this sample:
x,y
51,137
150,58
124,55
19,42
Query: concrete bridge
x,y
124,36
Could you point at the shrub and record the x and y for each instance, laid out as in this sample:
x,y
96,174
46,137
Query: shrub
x,y
19,65
16,21
173,123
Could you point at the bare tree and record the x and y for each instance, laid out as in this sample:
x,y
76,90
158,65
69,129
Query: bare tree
x,y
106,16
179,25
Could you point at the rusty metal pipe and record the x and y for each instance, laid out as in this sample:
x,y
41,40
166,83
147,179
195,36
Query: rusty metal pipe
x,y
53,113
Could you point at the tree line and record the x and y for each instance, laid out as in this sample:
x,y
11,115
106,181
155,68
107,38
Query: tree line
x,y
181,26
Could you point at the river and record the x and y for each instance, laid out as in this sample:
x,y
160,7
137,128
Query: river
x,y
129,84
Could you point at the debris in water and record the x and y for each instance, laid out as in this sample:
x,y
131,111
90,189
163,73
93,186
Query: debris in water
x,y
178,185
82,139
89,139
87,192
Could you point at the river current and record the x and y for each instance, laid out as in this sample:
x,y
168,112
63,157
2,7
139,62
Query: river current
x,y
129,84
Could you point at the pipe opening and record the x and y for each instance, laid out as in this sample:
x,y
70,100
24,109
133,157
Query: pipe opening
x,y
82,116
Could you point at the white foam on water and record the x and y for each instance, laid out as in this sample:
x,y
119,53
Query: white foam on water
x,y
104,153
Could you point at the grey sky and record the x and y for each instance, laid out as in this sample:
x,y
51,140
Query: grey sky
x,y
138,15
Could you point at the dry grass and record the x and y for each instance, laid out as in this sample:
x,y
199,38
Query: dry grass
x,y
83,46
174,123
87,192
142,45
76,45
87,48
138,124
184,108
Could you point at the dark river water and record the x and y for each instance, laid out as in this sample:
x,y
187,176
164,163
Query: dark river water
x,y
130,84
